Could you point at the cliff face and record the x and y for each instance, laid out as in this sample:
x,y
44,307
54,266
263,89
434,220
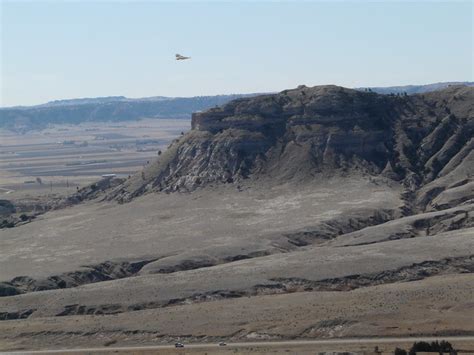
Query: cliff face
x,y
329,125
300,133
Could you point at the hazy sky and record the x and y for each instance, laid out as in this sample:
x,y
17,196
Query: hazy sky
x,y
55,50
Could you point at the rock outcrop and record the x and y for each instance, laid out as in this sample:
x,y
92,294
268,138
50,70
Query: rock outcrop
x,y
424,141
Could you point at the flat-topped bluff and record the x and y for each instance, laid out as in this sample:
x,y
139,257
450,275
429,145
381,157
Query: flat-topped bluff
x,y
297,134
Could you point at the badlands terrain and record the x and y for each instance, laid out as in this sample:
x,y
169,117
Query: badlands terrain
x,y
313,213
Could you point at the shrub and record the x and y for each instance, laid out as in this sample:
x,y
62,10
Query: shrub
x,y
435,346
7,224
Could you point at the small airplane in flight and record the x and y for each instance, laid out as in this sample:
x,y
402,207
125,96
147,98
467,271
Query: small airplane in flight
x,y
180,57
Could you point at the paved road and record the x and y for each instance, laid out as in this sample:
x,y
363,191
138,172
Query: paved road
x,y
288,343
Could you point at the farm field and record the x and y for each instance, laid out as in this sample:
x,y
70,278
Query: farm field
x,y
61,158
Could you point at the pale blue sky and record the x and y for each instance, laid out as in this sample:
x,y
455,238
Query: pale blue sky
x,y
58,49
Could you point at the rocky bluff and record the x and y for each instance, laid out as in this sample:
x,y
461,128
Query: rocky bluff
x,y
300,133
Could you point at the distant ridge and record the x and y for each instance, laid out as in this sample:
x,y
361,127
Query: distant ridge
x,y
101,109
416,89
115,99
86,100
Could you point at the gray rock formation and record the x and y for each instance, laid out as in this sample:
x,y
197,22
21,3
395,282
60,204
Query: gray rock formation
x,y
424,140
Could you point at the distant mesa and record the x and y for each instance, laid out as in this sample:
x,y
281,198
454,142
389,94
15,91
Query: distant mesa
x,y
116,108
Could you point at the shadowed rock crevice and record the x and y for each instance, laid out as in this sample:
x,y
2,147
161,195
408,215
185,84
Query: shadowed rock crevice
x,y
331,229
420,225
412,272
89,274
198,262
23,314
